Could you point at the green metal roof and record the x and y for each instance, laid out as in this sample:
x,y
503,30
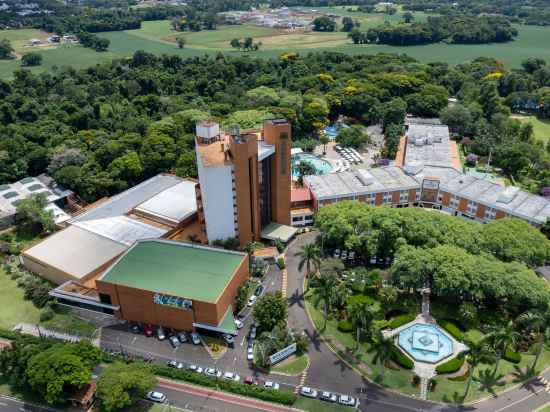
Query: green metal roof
x,y
176,269
226,325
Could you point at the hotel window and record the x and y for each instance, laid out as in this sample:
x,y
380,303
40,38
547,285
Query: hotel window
x,y
454,201
403,196
490,213
370,198
472,207
387,197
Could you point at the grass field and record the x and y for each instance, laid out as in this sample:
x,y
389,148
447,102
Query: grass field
x,y
312,405
157,37
15,308
292,366
541,128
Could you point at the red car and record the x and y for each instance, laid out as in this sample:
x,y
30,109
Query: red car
x,y
251,380
148,330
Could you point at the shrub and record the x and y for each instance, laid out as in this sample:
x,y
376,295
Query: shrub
x,y
401,320
512,356
468,313
401,359
451,328
281,262
47,314
450,366
415,380
258,392
460,378
345,326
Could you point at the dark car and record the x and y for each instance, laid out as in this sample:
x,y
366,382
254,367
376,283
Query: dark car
x,y
135,328
259,290
148,330
182,336
328,397
174,341
251,380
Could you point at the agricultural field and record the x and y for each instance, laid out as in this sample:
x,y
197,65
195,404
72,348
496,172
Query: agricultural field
x,y
158,37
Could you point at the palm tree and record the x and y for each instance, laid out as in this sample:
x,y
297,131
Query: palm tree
x,y
326,291
361,315
382,349
502,338
310,256
324,141
478,352
539,322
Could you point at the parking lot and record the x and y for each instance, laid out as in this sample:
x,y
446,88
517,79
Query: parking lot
x,y
119,338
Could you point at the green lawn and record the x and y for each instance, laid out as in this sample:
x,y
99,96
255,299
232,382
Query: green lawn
x,y
508,374
157,37
541,128
292,366
312,405
14,308
544,408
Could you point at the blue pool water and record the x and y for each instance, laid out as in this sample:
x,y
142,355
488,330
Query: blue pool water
x,y
321,166
425,343
332,130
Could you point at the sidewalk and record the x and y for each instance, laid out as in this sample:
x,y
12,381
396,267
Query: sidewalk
x,y
40,331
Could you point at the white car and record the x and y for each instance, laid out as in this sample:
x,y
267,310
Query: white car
x,y
271,385
250,354
308,392
348,400
328,397
213,373
252,300
154,396
195,338
196,368
230,376
238,324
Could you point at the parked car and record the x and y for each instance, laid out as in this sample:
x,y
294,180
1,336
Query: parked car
x,y
328,397
182,336
348,401
195,368
195,338
252,300
336,254
155,396
213,373
174,341
238,324
250,354
134,328
271,385
174,364
252,334
308,392
231,376
148,330
229,339
251,380
259,290
161,335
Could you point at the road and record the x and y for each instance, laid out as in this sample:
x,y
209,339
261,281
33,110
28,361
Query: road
x,y
15,405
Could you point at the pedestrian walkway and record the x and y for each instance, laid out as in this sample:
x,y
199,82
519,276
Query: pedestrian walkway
x,y
546,384
285,283
40,331
302,379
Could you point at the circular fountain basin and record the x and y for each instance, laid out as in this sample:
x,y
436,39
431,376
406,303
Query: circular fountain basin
x,y
425,343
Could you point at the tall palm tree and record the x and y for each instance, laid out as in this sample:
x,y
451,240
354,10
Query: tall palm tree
x,y
503,338
539,322
382,349
310,257
361,315
326,292
478,352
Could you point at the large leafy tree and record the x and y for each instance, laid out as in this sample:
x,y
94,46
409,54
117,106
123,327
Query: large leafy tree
x,y
381,348
32,215
120,385
270,310
503,338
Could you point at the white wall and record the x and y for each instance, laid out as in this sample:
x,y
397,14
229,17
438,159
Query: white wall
x,y
217,200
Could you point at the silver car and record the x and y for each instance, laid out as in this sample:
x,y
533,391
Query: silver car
x,y
308,392
195,338
213,373
348,401
157,397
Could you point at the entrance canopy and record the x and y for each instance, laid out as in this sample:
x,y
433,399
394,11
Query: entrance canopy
x,y
276,231
227,324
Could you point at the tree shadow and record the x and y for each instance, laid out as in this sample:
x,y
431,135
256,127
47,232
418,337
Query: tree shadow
x,y
489,379
314,338
296,298
525,376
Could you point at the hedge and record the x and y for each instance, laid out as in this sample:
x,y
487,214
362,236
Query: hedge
x,y
401,320
345,326
451,328
451,366
9,334
281,262
401,359
512,356
258,392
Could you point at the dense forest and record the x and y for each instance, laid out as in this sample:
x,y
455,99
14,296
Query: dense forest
x,y
105,128
458,30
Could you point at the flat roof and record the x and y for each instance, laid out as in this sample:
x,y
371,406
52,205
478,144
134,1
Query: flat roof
x,y
121,229
359,182
276,231
75,251
428,144
174,268
176,203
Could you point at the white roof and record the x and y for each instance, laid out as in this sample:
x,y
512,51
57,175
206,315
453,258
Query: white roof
x,y
75,251
175,203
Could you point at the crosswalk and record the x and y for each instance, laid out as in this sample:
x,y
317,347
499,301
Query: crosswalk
x,y
303,378
285,283
546,384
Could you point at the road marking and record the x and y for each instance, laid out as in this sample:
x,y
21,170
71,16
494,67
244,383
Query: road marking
x,y
3,404
520,400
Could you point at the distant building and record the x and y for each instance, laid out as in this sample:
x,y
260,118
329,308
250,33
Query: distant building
x,y
12,194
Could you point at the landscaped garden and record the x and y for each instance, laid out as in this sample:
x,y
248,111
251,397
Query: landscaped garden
x,y
483,294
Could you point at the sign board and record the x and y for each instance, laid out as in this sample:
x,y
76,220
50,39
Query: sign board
x,y
430,184
173,301
282,354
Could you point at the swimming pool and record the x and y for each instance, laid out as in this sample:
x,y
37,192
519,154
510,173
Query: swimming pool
x,y
321,166
331,131
425,343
